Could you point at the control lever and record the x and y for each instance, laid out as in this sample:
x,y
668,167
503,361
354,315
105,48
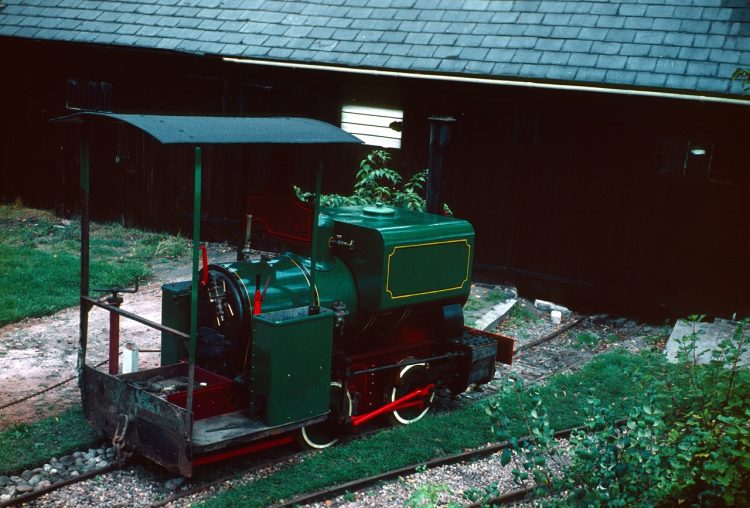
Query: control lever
x,y
115,300
115,290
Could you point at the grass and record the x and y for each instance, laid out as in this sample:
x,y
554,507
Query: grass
x,y
478,304
435,435
492,298
522,314
40,267
29,445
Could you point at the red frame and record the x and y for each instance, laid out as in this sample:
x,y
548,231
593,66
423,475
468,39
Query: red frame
x,y
237,452
221,396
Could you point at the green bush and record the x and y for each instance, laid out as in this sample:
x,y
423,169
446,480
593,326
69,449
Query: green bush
x,y
377,183
686,443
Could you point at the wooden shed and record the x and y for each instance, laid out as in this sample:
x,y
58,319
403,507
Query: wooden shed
x,y
599,148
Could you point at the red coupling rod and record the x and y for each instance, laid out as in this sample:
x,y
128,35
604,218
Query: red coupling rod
x,y
401,403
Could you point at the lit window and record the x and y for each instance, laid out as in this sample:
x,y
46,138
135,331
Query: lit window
x,y
374,126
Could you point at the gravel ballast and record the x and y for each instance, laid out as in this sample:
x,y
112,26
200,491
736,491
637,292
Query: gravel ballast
x,y
141,485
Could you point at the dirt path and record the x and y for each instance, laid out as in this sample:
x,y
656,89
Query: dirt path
x,y
39,352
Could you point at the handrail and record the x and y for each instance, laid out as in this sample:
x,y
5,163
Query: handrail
x,y
135,317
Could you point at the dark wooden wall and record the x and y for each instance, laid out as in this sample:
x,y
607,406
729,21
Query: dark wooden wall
x,y
594,199
584,198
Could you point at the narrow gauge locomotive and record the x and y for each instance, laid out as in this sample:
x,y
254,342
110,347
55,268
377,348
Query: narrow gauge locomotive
x,y
360,317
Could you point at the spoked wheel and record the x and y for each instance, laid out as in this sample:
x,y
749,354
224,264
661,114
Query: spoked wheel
x,y
324,434
410,378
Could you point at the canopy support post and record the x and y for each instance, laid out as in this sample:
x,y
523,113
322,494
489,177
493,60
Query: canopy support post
x,y
314,304
84,306
194,286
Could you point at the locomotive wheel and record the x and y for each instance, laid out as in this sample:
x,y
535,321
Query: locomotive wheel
x,y
324,434
410,378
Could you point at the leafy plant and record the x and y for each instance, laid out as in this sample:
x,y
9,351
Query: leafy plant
x,y
520,314
588,339
531,456
686,442
377,183
592,340
426,496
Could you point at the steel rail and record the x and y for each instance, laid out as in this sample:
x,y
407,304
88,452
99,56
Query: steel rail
x,y
325,493
406,470
321,494
285,456
205,486
68,380
234,474
549,336
25,498
509,497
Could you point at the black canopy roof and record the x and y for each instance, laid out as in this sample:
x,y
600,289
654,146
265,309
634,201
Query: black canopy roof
x,y
210,130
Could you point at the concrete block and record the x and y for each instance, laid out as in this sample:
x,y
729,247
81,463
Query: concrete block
x,y
490,320
708,337
549,307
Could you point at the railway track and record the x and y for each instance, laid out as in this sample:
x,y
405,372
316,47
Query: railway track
x,y
276,458
233,470
201,482
463,457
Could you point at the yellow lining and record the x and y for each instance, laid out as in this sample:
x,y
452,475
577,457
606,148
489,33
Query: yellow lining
x,y
388,275
304,274
247,295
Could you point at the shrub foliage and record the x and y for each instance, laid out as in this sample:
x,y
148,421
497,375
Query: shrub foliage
x,y
377,183
686,443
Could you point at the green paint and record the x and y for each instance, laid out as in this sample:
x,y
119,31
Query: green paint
x,y
427,267
290,282
292,363
85,166
403,257
175,313
84,309
314,240
194,288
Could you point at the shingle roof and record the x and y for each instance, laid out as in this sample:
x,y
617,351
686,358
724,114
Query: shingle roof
x,y
692,45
